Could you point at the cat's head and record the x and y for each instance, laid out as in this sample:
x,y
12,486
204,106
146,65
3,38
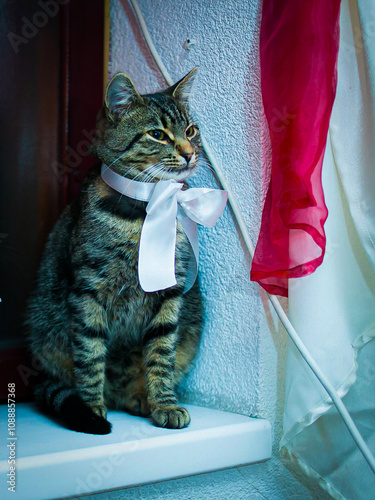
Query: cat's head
x,y
147,137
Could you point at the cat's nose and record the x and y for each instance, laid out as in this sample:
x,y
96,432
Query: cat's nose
x,y
187,156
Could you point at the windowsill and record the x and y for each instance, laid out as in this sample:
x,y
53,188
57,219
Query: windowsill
x,y
53,462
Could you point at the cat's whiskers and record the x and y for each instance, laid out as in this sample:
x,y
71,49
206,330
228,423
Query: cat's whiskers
x,y
154,172
159,171
204,163
148,169
114,161
151,175
142,172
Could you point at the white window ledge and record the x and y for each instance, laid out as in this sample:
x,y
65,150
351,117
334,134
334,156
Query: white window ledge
x,y
53,462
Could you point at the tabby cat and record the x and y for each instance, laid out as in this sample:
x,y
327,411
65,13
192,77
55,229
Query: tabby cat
x,y
102,341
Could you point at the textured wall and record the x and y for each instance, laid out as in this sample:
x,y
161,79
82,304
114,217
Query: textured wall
x,y
241,360
227,103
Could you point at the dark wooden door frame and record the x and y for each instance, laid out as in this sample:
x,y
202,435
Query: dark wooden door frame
x,y
82,43
84,38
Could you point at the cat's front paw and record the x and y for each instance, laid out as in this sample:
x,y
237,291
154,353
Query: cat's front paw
x,y
173,417
99,409
82,417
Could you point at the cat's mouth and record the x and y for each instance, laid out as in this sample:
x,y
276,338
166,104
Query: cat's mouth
x,y
165,171
178,173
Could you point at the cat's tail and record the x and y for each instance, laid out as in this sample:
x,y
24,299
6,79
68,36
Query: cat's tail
x,y
64,402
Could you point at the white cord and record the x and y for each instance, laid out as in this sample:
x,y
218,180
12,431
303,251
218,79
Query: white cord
x,y
249,245
151,46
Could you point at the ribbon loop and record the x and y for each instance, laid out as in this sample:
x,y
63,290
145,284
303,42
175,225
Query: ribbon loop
x,y
167,203
203,205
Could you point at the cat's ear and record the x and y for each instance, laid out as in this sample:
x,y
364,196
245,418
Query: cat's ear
x,y
120,95
182,89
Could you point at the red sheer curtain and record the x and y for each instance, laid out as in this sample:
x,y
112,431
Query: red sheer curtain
x,y
298,52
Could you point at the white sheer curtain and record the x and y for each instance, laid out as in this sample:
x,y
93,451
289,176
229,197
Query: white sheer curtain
x,y
334,308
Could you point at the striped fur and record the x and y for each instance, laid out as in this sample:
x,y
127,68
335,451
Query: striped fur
x,y
102,341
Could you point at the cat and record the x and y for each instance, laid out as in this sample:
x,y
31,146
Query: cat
x,y
101,340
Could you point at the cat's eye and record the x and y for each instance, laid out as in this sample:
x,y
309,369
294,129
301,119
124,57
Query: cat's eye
x,y
159,135
191,132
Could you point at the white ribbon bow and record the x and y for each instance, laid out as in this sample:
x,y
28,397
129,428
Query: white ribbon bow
x,y
166,203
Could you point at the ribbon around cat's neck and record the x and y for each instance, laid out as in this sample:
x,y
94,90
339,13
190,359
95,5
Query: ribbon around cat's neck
x,y
167,203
